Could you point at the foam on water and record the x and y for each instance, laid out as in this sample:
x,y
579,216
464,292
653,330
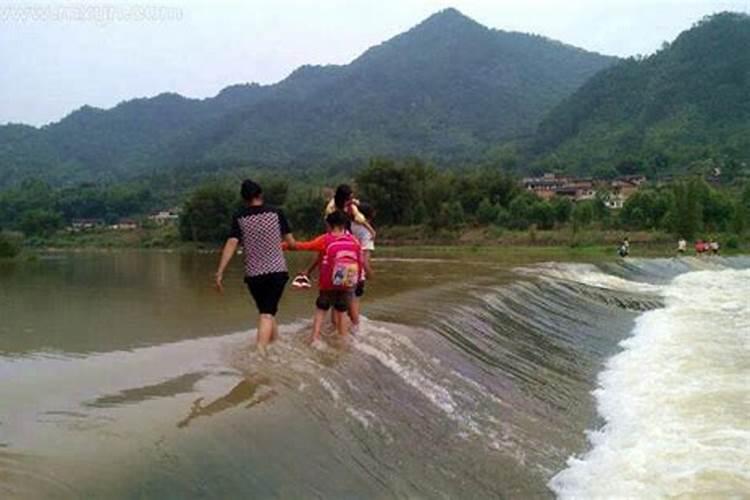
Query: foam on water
x,y
587,274
676,400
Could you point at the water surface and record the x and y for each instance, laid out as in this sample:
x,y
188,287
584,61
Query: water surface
x,y
125,374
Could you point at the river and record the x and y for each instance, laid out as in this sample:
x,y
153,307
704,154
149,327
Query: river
x,y
125,375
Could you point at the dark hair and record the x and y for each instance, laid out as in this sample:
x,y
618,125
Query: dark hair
x,y
337,219
366,209
250,190
343,193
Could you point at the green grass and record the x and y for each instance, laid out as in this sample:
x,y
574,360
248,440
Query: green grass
x,y
489,242
150,237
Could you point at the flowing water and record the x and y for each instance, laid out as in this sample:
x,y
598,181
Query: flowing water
x,y
125,375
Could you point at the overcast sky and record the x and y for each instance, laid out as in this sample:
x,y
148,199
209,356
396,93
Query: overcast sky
x,y
57,57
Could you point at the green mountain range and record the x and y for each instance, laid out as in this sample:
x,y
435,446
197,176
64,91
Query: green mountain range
x,y
685,107
448,90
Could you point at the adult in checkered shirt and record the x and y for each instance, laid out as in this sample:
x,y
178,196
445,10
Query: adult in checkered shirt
x,y
260,229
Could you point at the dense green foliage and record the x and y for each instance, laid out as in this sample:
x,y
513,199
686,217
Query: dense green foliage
x,y
684,109
207,214
408,193
448,89
9,246
36,208
689,209
411,193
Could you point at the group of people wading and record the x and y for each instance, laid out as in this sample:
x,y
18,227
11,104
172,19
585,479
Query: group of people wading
x,y
343,259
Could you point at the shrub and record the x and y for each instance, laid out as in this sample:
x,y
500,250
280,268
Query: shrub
x,y
487,212
9,246
207,214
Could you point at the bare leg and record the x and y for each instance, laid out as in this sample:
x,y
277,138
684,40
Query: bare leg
x,y
265,332
341,324
354,311
320,316
333,318
274,330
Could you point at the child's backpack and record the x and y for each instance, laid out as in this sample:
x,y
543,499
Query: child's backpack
x,y
340,268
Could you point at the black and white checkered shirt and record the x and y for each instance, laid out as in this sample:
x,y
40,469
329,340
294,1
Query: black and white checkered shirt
x,y
260,231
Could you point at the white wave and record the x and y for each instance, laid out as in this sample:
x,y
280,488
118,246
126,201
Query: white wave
x,y
331,388
587,274
361,416
434,392
676,400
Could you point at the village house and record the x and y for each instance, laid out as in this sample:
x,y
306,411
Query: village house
x,y
578,190
622,188
163,217
546,186
125,225
614,193
77,225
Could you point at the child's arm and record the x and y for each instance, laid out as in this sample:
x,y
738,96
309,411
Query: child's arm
x,y
316,245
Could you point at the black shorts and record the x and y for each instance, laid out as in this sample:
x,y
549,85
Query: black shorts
x,y
339,299
267,290
360,290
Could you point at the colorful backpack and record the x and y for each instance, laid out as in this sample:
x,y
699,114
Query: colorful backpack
x,y
340,269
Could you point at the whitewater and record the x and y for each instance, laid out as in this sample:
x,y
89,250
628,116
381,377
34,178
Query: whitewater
x,y
676,400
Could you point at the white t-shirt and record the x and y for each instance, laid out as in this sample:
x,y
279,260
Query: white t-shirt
x,y
363,235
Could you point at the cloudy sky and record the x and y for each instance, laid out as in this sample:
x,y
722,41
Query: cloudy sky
x,y
56,55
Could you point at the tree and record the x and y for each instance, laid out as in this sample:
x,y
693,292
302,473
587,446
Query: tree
x,y
275,191
9,247
497,186
451,216
685,217
583,213
520,210
305,212
40,222
391,189
718,209
645,209
562,209
487,212
738,223
542,215
207,214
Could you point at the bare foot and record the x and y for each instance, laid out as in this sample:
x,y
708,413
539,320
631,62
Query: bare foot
x,y
263,351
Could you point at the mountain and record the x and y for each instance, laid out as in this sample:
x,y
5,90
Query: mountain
x,y
448,89
687,103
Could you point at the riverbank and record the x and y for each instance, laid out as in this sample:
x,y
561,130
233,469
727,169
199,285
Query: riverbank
x,y
556,244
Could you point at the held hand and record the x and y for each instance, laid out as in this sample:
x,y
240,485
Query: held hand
x,y
219,283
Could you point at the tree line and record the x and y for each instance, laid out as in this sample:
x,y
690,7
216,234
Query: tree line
x,y
38,209
412,193
404,193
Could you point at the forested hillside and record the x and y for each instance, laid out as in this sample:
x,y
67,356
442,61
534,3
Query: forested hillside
x,y
685,108
449,90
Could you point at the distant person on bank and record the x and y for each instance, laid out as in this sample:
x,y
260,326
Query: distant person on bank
x,y
624,249
713,246
681,246
260,229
